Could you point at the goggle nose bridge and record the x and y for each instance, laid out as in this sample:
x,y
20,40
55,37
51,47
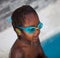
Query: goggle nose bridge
x,y
37,28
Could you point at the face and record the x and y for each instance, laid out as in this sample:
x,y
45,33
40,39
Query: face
x,y
31,20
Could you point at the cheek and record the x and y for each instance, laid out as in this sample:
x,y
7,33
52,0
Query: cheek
x,y
27,35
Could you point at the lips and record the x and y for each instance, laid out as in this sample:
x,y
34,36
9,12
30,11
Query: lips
x,y
35,38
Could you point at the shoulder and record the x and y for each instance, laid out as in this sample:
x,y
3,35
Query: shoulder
x,y
17,53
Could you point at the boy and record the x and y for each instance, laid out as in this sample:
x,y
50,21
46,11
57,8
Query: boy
x,y
26,24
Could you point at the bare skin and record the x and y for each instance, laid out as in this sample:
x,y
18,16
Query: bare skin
x,y
28,45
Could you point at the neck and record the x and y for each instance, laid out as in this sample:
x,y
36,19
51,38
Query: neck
x,y
28,42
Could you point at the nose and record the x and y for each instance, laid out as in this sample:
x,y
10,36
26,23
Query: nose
x,y
36,33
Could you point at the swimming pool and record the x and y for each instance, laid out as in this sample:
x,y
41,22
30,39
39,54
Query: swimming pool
x,y
51,46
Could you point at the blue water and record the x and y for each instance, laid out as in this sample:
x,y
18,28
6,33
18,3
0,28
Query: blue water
x,y
51,46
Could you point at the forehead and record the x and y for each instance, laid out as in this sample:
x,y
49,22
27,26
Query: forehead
x,y
31,20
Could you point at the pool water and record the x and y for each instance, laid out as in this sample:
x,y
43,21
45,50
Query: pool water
x,y
51,46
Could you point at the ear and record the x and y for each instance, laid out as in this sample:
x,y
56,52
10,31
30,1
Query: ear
x,y
18,31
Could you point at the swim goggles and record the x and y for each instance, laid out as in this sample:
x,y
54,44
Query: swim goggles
x,y
31,29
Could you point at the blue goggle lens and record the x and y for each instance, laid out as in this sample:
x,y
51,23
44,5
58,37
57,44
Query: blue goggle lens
x,y
40,25
30,29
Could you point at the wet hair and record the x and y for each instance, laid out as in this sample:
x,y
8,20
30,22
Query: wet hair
x,y
18,16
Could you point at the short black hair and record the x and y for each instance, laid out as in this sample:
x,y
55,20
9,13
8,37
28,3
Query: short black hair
x,y
18,16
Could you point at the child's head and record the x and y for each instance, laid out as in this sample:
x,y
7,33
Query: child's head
x,y
24,18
